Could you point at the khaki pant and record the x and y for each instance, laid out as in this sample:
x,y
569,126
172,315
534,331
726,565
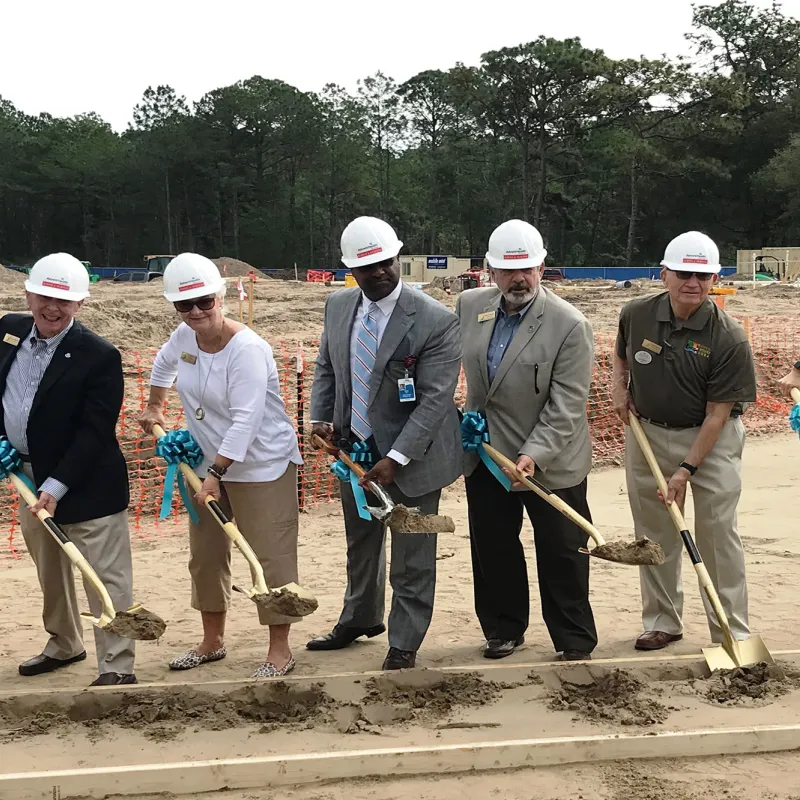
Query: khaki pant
x,y
715,490
267,515
106,545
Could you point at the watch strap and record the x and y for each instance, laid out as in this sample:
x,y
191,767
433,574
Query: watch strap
x,y
797,364
688,467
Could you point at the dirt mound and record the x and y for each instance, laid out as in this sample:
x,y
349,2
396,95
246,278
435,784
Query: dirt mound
x,y
164,715
438,697
436,293
615,697
761,682
232,267
10,277
438,283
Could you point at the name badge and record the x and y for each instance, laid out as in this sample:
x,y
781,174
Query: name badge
x,y
486,316
406,390
9,338
188,358
652,346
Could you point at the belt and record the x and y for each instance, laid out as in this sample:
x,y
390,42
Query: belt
x,y
24,459
670,427
677,427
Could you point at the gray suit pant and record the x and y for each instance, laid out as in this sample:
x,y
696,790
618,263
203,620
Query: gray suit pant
x,y
412,575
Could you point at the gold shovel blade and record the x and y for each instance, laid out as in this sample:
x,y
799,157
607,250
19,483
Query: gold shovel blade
x,y
747,653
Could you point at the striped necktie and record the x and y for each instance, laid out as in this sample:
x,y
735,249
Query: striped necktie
x,y
366,350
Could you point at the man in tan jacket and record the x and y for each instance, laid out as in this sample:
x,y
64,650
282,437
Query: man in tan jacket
x,y
528,358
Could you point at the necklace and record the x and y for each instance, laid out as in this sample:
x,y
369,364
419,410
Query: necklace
x,y
200,412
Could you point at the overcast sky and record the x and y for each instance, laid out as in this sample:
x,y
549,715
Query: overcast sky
x,y
86,55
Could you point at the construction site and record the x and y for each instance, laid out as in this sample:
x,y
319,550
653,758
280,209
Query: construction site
x,y
625,726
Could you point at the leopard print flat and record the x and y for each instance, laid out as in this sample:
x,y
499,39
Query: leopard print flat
x,y
192,659
269,670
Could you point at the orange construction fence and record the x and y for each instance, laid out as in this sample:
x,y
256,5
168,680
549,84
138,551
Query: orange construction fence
x,y
775,341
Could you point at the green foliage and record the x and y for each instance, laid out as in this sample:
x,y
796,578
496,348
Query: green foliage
x,y
609,158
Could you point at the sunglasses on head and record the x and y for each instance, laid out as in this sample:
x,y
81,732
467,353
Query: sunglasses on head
x,y
685,276
203,303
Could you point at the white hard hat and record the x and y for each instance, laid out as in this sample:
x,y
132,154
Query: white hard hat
x,y
367,240
191,275
515,245
692,252
59,275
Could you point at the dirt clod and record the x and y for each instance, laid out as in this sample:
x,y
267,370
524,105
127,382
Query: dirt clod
x,y
287,603
438,698
138,624
615,697
761,682
641,551
403,520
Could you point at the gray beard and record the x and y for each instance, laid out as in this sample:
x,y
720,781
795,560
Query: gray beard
x,y
520,298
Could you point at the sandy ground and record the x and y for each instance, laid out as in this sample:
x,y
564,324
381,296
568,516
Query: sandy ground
x,y
769,511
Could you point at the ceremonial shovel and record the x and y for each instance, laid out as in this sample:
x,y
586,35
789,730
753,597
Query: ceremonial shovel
x,y
643,551
731,654
135,623
291,600
399,518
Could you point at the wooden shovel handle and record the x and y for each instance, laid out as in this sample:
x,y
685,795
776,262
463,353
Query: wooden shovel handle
x,y
233,533
546,495
796,395
650,457
69,548
335,451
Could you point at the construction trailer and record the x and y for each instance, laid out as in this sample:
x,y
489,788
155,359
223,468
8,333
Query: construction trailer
x,y
783,263
423,269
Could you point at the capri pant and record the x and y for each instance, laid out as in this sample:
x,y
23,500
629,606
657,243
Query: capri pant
x,y
267,515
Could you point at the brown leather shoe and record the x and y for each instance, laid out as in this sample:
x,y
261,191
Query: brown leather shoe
x,y
656,640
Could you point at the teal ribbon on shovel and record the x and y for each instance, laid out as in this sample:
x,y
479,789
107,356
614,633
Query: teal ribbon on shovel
x,y
11,462
176,447
474,432
794,418
361,455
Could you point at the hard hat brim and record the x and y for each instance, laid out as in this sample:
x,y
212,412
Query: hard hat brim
x,y
56,294
707,268
191,294
375,258
521,263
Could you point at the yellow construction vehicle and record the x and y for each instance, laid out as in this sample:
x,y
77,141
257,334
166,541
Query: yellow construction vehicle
x,y
156,263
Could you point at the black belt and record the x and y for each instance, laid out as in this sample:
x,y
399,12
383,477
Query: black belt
x,y
24,459
677,427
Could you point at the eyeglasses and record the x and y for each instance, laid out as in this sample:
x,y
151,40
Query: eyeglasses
x,y
203,303
685,276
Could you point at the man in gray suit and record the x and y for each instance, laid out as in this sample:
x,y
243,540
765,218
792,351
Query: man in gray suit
x,y
387,370
528,359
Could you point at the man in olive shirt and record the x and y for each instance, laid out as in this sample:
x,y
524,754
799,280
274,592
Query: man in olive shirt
x,y
685,368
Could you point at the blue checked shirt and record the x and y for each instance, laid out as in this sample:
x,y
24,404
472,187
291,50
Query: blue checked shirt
x,y
505,326
33,357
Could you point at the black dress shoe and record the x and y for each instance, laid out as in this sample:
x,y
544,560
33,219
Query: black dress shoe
x,y
113,679
40,664
341,636
500,648
575,655
399,659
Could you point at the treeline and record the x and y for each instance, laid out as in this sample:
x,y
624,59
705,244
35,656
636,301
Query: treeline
x,y
609,158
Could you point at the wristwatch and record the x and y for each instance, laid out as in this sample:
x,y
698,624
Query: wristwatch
x,y
797,364
217,472
688,467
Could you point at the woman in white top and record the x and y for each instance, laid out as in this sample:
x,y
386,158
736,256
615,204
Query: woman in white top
x,y
227,381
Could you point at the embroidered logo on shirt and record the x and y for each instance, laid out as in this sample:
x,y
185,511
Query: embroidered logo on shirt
x,y
698,349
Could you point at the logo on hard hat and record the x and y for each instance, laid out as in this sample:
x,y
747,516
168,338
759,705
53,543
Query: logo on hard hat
x,y
691,259
369,250
56,283
195,283
514,254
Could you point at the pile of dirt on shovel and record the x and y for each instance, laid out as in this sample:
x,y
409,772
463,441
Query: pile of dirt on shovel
x,y
615,697
756,685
